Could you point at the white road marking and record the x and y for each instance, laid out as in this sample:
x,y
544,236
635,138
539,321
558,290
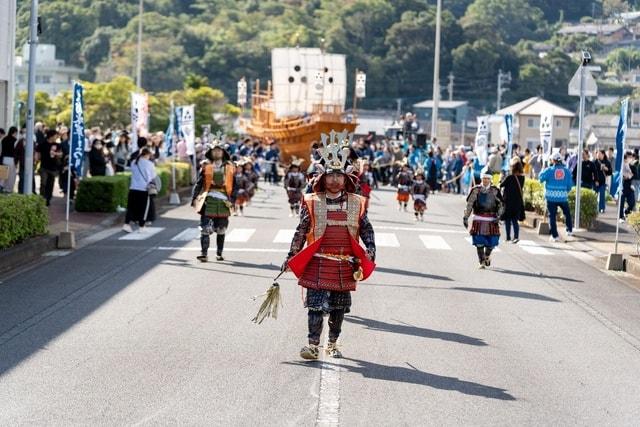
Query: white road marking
x,y
56,253
197,249
329,396
284,236
468,239
434,242
240,235
142,235
387,240
426,230
187,235
96,237
533,248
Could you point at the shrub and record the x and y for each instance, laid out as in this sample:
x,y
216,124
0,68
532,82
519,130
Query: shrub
x,y
21,217
103,193
183,173
165,177
588,206
633,219
533,193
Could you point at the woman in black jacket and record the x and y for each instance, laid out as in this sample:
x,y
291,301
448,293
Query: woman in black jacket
x,y
97,161
603,169
512,190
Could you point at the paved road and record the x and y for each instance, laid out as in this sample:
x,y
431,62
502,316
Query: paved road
x,y
137,332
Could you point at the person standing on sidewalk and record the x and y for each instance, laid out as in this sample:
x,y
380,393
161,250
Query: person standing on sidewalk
x,y
628,194
603,170
50,154
557,184
140,206
588,172
8,158
512,190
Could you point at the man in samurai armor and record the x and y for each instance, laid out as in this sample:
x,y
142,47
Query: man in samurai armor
x,y
486,203
332,220
241,185
420,192
211,197
294,183
404,187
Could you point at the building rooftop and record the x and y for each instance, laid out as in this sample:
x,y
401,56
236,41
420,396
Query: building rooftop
x,y
535,106
447,105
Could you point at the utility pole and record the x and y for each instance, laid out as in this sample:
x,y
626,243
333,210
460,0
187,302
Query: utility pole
x,y
450,86
436,75
503,78
31,101
586,59
139,59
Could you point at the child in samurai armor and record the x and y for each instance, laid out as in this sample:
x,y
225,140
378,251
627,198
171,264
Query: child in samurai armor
x,y
332,221
366,179
294,182
241,186
420,192
252,176
211,197
404,187
486,203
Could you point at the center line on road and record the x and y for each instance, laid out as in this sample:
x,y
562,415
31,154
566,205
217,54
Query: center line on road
x,y
329,396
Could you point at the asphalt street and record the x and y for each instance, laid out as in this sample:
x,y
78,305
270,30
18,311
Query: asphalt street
x,y
132,330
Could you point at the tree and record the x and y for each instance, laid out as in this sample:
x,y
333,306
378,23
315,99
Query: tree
x,y
623,59
508,21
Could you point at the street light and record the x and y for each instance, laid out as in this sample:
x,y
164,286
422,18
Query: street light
x,y
436,75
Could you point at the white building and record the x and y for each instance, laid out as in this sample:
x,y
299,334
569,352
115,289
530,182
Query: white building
x,y
7,43
52,75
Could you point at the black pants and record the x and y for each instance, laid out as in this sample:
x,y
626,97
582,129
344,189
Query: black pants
x,y
336,317
47,180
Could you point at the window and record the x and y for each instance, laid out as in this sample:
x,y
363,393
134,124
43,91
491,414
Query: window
x,y
43,79
558,123
531,123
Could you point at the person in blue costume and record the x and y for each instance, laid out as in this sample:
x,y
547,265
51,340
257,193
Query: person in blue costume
x,y
486,204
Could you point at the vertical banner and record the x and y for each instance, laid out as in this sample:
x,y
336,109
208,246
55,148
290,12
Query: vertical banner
x,y
76,148
546,134
361,85
621,136
508,122
171,131
482,138
139,115
187,126
242,92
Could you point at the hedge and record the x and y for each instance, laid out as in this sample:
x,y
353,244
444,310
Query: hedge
x,y
533,194
588,206
21,217
103,193
183,173
106,193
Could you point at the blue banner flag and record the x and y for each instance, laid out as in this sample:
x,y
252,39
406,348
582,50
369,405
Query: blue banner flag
x,y
171,131
621,136
77,130
508,122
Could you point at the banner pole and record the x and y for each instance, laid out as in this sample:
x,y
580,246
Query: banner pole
x,y
70,136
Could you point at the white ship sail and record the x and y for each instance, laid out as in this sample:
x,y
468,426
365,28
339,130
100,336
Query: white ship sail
x,y
305,78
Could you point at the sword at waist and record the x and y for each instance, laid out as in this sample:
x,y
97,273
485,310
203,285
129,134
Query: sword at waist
x,y
335,257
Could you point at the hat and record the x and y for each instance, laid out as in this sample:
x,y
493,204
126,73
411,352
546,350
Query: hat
x,y
217,142
419,172
335,156
556,157
485,173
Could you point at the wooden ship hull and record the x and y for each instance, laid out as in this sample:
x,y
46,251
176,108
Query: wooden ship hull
x,y
294,135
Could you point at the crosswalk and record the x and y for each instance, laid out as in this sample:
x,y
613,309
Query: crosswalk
x,y
390,237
